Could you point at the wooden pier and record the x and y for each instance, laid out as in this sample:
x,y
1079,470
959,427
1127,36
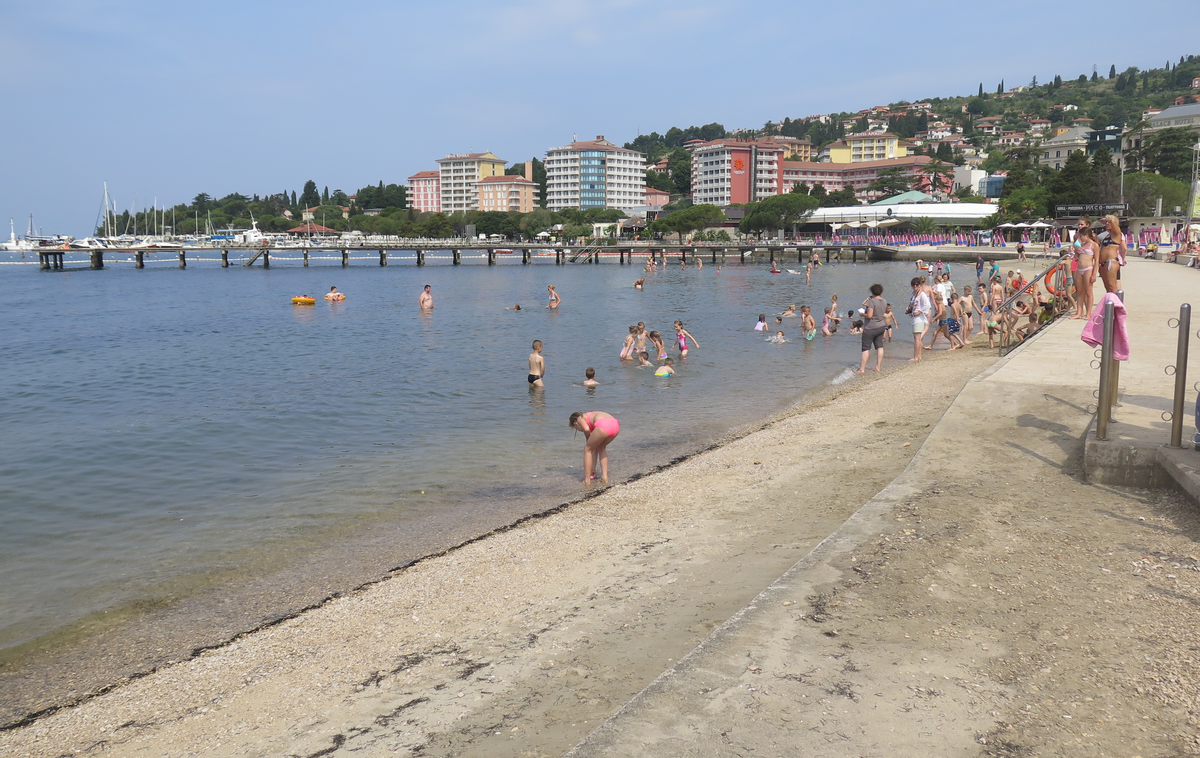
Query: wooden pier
x,y
52,259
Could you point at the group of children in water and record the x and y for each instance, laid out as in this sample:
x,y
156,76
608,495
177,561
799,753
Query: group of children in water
x,y
639,343
829,322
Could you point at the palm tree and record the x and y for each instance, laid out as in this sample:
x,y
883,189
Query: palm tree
x,y
924,225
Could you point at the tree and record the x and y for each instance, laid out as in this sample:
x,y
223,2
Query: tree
x,y
1000,88
818,191
679,163
325,196
688,220
1106,176
201,202
1033,83
977,106
891,181
945,152
843,198
310,198
1169,152
658,181
1112,71
939,176
777,212
980,90
1074,183
924,225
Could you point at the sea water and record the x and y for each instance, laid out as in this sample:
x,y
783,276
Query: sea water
x,y
168,432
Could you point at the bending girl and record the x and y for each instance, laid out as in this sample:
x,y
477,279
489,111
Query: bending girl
x,y
599,429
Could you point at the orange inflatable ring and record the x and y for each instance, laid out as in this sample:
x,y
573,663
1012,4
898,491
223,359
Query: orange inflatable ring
x,y
299,300
1049,285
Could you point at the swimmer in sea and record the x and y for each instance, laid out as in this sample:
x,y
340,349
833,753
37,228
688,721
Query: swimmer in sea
x,y
426,300
778,338
590,378
334,294
761,326
667,369
555,300
640,283
791,310
644,359
537,365
516,307
599,429
807,323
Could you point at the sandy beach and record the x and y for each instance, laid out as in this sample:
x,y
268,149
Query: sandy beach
x,y
525,640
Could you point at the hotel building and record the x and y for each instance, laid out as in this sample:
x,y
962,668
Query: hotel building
x,y
508,193
425,191
837,176
595,174
460,173
867,146
728,171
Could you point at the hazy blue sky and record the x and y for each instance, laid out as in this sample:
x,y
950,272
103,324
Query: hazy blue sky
x,y
166,100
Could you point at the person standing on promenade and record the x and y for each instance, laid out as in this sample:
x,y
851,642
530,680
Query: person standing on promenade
x,y
555,300
537,365
1021,252
919,310
426,299
874,325
599,429
1086,248
1112,253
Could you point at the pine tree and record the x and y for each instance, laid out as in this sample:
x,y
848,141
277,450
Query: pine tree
x,y
1112,71
293,198
1095,76
325,195
981,89
1000,88
1033,83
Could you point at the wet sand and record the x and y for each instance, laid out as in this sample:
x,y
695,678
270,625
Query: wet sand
x,y
520,643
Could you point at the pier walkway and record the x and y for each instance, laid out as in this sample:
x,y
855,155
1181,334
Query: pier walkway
x,y
456,251
993,600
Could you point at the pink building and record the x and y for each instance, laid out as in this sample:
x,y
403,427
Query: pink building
x,y
425,191
656,199
836,176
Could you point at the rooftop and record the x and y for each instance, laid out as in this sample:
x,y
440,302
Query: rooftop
x,y
485,156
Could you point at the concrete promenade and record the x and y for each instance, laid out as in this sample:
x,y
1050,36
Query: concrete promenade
x,y
990,601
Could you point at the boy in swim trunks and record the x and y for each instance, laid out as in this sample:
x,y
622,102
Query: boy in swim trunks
x,y
537,365
807,322
667,369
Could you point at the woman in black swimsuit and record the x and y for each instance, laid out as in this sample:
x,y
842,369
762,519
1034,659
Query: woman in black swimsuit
x,y
1112,253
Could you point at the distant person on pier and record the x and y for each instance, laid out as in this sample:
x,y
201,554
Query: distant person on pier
x,y
426,300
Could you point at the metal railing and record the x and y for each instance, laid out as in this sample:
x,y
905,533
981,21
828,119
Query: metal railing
x,y
1025,313
1110,369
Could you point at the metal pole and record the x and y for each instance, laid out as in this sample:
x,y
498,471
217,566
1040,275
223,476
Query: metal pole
x,y
1116,368
1181,358
1103,409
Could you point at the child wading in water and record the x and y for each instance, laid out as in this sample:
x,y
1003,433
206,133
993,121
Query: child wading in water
x,y
600,429
807,322
590,378
681,339
537,365
667,369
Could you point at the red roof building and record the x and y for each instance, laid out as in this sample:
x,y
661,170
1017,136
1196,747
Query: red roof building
x,y
311,228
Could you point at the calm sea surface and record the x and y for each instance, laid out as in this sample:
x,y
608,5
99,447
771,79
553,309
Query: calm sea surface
x,y
168,432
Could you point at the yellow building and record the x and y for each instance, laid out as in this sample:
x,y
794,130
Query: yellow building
x,y
867,146
460,173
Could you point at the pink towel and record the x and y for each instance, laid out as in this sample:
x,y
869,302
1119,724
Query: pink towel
x,y
1093,330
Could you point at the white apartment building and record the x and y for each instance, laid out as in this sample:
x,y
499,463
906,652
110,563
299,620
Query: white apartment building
x,y
728,171
458,175
595,174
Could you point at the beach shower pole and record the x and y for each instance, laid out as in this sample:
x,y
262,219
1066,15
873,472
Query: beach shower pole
x,y
1181,358
1103,409
1116,367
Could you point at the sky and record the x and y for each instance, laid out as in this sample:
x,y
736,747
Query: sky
x,y
165,100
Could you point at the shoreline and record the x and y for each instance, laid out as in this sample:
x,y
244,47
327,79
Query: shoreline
x,y
828,399
65,655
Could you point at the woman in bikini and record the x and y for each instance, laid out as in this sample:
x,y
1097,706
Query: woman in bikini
x,y
1112,253
627,351
599,429
1086,246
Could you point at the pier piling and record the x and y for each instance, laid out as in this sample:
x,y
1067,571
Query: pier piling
x,y
525,256
139,259
382,257
97,260
491,256
346,258
420,257
306,258
182,259
457,257
266,256
225,258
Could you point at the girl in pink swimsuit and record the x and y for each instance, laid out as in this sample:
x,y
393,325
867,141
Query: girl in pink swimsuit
x,y
681,338
600,429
